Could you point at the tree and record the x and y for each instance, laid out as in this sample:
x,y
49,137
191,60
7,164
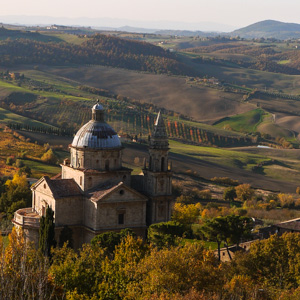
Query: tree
x,y
238,228
244,192
110,239
174,271
47,233
165,233
229,229
229,194
213,231
272,262
16,191
186,214
19,163
49,157
10,160
24,271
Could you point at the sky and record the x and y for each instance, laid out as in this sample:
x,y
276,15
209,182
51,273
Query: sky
x,y
188,13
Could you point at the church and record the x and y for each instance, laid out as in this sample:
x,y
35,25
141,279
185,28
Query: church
x,y
94,193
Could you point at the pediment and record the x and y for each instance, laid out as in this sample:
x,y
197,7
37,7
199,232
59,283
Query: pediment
x,y
117,193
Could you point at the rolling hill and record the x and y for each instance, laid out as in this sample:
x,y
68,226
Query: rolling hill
x,y
269,29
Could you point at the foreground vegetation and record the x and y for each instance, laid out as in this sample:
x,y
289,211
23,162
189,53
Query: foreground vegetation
x,y
137,270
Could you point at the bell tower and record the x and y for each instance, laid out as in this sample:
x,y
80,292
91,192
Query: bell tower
x,y
158,175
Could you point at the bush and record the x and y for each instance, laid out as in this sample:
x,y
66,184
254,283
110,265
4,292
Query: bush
x,y
49,157
19,163
10,160
204,194
244,192
225,180
229,194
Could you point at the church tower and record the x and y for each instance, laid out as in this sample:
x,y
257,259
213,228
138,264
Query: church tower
x,y
158,175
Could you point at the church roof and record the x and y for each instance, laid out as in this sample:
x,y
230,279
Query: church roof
x,y
96,134
63,187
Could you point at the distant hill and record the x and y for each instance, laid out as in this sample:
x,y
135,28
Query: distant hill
x,y
135,29
23,34
99,49
269,29
186,33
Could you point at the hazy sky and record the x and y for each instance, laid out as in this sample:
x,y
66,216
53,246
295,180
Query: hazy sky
x,y
237,13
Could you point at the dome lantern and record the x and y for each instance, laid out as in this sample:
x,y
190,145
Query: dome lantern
x,y
98,112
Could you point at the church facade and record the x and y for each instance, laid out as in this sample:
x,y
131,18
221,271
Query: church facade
x,y
94,193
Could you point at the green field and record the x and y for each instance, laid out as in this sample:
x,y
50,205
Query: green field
x,y
246,122
39,168
7,116
218,156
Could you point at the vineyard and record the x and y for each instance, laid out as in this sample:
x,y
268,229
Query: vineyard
x,y
125,119
66,108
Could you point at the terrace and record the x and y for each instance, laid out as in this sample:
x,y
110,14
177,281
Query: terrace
x,y
27,217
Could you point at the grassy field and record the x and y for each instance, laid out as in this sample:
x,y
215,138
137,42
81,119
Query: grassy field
x,y
208,162
246,122
40,169
7,116
219,156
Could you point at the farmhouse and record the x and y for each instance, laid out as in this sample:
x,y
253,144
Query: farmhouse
x,y
94,193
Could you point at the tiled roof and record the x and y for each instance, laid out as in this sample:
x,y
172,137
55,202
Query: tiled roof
x,y
291,225
63,187
98,193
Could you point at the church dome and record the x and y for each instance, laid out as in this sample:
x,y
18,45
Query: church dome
x,y
96,134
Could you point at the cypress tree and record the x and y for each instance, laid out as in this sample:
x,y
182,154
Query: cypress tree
x,y
46,232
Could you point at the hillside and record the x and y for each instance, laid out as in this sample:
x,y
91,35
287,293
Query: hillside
x,y
24,34
269,29
96,50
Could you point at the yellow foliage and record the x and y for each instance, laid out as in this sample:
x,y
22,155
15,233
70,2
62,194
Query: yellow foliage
x,y
186,214
18,180
210,213
244,192
286,200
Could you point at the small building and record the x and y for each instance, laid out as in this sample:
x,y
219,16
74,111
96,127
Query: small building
x,y
95,193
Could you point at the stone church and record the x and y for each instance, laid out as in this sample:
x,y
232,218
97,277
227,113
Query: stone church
x,y
94,193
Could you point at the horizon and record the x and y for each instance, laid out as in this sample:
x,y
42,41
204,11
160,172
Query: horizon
x,y
190,15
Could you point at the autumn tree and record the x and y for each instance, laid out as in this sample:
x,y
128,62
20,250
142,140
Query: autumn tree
x,y
272,262
186,214
24,271
175,270
16,194
244,192
49,157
